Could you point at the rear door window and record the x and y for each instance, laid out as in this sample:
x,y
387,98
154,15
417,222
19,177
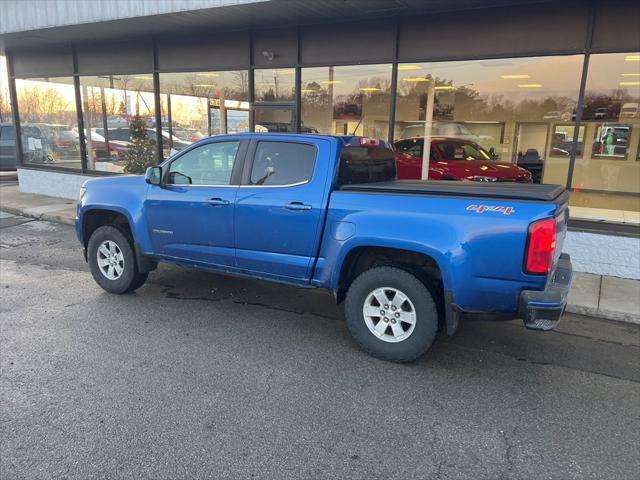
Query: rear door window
x,y
282,163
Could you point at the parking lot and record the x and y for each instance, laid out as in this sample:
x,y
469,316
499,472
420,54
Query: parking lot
x,y
199,375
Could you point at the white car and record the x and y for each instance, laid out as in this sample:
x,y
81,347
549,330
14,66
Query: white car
x,y
630,110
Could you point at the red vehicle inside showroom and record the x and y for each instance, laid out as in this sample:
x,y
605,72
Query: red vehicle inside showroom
x,y
454,159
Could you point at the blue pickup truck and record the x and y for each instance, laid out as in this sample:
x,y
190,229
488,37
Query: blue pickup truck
x,y
407,258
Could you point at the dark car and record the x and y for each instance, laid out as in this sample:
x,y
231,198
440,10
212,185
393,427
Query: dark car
x,y
124,134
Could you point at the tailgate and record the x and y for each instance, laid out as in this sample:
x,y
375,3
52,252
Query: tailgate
x,y
562,220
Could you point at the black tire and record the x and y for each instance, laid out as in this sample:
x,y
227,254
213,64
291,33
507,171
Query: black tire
x,y
130,278
426,324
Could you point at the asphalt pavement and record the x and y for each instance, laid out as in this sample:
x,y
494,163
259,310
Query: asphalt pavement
x,y
198,375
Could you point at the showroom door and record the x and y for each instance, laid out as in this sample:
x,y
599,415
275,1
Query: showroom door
x,y
274,118
530,147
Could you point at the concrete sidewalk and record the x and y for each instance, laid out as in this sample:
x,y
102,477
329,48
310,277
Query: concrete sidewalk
x,y
594,295
12,200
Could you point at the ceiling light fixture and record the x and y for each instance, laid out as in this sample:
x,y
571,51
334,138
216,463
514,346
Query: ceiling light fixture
x,y
530,85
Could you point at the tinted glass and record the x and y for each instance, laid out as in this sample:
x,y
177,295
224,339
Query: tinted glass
x,y
198,104
210,164
509,107
8,133
346,100
366,164
606,177
275,85
109,104
49,122
273,119
5,102
282,163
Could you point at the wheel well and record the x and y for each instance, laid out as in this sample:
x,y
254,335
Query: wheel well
x,y
94,219
422,266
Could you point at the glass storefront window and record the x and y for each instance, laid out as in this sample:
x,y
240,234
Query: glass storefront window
x,y
5,101
606,180
519,111
198,104
109,103
275,85
8,155
48,122
346,100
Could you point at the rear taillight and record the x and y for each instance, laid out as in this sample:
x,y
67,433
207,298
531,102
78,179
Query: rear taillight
x,y
540,246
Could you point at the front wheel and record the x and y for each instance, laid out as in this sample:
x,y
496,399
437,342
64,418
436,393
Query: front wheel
x,y
391,314
112,261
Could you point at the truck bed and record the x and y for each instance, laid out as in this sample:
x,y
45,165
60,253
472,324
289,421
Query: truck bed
x,y
514,191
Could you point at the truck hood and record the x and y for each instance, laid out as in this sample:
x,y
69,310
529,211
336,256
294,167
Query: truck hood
x,y
116,183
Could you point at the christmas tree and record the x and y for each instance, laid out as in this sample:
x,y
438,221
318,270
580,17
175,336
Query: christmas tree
x,y
140,154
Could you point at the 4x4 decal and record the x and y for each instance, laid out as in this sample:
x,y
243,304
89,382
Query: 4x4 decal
x,y
491,208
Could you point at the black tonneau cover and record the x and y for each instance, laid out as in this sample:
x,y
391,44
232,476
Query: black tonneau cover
x,y
515,191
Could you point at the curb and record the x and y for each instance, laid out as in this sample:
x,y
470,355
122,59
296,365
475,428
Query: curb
x,y
601,313
50,217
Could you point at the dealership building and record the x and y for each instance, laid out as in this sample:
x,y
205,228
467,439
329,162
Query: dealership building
x,y
551,86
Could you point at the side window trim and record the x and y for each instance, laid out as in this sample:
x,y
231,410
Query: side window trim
x,y
236,171
250,158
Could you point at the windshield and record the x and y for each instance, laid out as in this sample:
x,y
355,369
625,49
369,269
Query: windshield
x,y
461,151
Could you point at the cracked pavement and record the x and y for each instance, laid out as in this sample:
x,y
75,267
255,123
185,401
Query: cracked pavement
x,y
198,375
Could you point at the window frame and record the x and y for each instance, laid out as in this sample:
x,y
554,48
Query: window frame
x,y
236,170
250,158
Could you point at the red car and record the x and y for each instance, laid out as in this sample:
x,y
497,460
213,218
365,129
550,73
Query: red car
x,y
454,159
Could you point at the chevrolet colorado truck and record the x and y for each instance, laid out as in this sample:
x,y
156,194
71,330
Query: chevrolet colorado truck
x,y
407,258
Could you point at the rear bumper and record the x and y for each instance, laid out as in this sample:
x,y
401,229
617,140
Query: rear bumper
x,y
541,310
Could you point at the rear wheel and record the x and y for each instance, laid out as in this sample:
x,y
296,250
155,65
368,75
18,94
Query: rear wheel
x,y
112,261
391,314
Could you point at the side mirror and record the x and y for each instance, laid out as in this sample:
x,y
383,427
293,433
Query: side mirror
x,y
153,175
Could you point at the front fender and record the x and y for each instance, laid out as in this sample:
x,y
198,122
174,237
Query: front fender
x,y
124,195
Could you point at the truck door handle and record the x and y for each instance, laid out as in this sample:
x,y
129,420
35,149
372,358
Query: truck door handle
x,y
217,202
297,206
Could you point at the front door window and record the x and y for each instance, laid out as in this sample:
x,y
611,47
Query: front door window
x,y
209,164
